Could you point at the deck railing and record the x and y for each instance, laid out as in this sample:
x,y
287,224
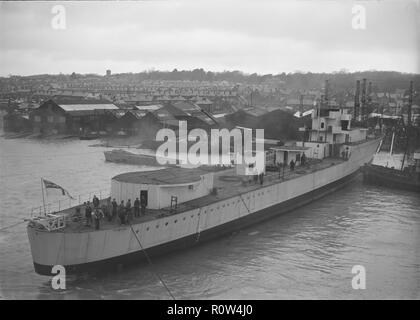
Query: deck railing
x,y
57,206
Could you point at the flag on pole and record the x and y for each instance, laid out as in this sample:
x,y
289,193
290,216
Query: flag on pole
x,y
52,185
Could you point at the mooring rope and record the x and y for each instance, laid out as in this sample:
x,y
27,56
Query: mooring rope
x,y
151,264
12,225
198,230
243,201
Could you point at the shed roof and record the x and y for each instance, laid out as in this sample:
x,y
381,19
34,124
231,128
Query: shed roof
x,y
169,176
290,148
82,107
153,107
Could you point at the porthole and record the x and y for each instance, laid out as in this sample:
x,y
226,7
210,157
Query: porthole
x,y
157,226
192,216
183,218
166,223
175,221
147,229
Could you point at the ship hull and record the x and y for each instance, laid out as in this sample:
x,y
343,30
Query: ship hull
x,y
390,178
97,250
130,158
195,239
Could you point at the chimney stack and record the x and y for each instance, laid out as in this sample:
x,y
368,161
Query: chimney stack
x,y
326,98
357,101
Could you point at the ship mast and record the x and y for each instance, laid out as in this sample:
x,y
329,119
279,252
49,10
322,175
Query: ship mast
x,y
408,127
357,102
363,109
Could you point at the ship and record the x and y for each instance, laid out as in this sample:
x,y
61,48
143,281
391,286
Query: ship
x,y
398,171
391,173
186,207
122,156
408,179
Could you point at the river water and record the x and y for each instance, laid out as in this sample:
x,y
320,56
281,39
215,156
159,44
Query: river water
x,y
308,253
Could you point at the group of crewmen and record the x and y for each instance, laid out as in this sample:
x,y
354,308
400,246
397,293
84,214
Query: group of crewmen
x,y
111,210
292,163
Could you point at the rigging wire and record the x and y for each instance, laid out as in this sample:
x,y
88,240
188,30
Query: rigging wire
x,y
151,264
51,155
12,225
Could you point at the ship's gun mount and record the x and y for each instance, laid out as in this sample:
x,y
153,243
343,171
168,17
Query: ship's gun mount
x,y
50,222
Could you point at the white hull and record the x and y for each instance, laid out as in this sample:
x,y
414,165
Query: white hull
x,y
81,248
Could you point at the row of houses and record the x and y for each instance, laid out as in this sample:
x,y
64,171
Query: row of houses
x,y
102,117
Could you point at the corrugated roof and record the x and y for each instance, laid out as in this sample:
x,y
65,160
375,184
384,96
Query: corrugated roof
x,y
153,107
91,107
118,113
254,111
138,113
289,148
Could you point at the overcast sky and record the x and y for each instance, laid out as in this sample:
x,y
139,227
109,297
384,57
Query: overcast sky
x,y
251,36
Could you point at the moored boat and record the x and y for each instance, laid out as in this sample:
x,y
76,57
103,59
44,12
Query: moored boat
x,y
406,179
122,156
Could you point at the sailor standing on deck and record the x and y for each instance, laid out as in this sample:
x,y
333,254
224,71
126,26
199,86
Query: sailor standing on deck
x,y
143,205
137,208
95,201
88,214
106,212
97,215
129,211
303,159
121,212
292,165
114,208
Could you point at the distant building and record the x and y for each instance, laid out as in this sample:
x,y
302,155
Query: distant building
x,y
248,117
139,122
15,122
108,73
205,104
195,116
69,117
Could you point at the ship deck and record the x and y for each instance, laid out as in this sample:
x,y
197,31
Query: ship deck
x,y
227,183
